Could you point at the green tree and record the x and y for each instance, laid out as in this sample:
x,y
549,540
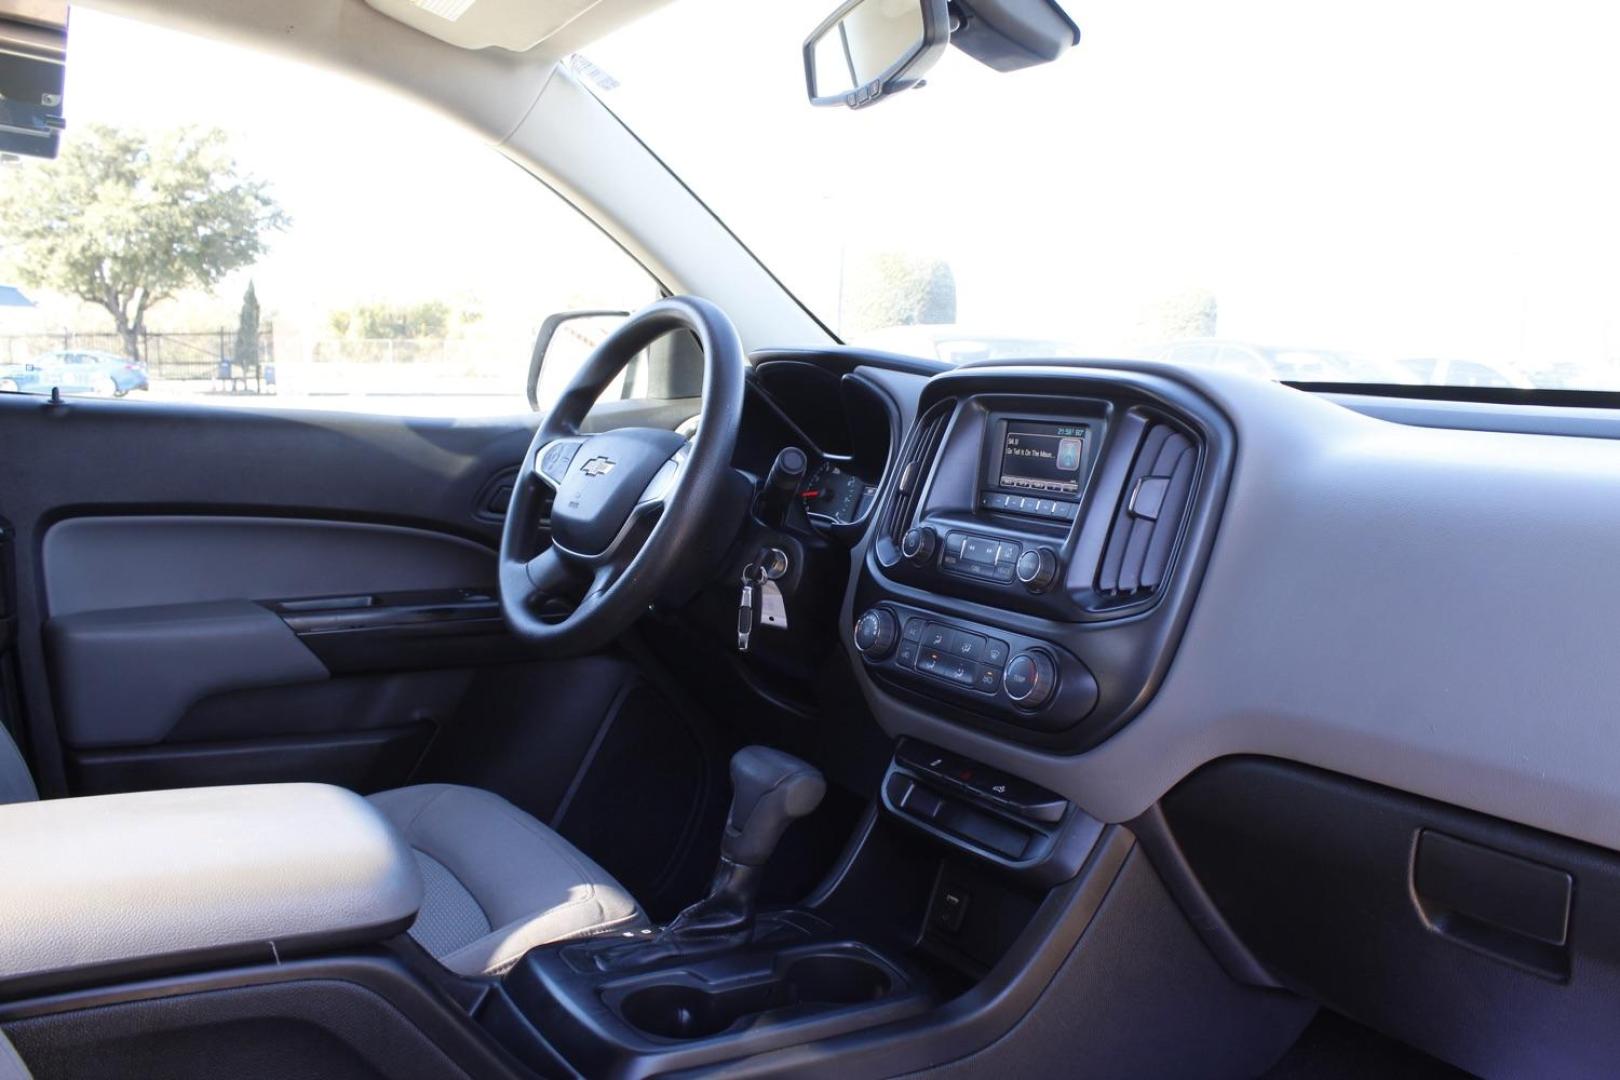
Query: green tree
x,y
1191,313
126,220
894,289
419,319
247,331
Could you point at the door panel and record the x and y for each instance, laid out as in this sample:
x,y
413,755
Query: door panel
x,y
106,563
126,677
164,556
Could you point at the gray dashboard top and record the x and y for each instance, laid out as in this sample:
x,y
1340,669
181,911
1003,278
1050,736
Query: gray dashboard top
x,y
1433,609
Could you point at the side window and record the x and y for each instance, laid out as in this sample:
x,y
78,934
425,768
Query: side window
x,y
389,262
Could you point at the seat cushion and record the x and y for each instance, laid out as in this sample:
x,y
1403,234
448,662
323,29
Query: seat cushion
x,y
15,783
498,882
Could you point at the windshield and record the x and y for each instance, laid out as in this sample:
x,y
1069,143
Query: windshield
x,y
1377,192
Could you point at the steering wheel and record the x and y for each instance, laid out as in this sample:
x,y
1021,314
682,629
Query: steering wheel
x,y
630,504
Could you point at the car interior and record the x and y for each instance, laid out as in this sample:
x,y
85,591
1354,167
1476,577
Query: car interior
x,y
815,710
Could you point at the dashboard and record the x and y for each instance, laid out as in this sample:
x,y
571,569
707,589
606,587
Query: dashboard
x,y
1342,666
1326,596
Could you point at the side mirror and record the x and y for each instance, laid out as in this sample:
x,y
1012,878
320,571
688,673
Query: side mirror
x,y
868,49
557,356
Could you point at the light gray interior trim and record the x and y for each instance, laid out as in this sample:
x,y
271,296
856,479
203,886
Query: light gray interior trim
x,y
125,678
1435,610
100,563
589,157
120,878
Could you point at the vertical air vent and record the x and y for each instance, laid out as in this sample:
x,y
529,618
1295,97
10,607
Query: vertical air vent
x,y
1145,528
914,465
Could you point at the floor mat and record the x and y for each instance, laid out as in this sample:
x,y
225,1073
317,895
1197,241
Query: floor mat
x,y
1334,1048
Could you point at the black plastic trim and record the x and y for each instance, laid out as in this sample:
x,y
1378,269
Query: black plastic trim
x,y
1128,651
430,1009
1498,395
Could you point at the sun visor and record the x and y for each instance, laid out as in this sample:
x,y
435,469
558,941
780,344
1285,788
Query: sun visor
x,y
518,25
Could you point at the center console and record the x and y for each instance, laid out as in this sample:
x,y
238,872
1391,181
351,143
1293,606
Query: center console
x,y
942,879
1036,550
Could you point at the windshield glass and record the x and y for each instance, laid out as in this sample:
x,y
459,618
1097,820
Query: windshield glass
x,y
1377,192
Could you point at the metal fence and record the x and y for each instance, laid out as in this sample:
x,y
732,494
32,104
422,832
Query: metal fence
x,y
187,356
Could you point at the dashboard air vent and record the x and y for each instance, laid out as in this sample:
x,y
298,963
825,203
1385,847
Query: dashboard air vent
x,y
1145,528
914,465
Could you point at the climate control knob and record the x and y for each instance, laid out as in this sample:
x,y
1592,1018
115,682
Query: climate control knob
x,y
919,544
1037,568
1030,679
875,634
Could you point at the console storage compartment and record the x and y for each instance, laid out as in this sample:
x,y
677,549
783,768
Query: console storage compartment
x,y
134,885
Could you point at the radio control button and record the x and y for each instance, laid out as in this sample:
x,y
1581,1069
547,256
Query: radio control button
x,y
918,545
1037,569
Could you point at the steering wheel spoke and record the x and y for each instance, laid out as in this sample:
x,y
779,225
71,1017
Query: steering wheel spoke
x,y
550,575
662,485
603,578
550,462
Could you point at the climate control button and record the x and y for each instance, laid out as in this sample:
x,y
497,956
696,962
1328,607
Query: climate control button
x,y
875,634
1030,679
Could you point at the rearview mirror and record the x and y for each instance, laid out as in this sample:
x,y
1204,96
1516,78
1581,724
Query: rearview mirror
x,y
868,49
33,61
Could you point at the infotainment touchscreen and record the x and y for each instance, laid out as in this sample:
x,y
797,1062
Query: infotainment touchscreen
x,y
1042,458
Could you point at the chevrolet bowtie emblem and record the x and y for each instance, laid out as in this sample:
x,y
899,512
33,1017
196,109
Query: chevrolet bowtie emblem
x,y
597,466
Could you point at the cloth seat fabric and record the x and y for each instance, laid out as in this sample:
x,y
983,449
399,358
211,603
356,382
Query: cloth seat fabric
x,y
498,882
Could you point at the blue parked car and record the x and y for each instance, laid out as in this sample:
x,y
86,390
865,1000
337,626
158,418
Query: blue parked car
x,y
20,379
90,371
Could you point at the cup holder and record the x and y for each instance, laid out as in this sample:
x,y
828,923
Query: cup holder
x,y
836,980
681,1011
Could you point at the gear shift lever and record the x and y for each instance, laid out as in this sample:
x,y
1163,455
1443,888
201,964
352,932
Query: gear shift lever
x,y
770,790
